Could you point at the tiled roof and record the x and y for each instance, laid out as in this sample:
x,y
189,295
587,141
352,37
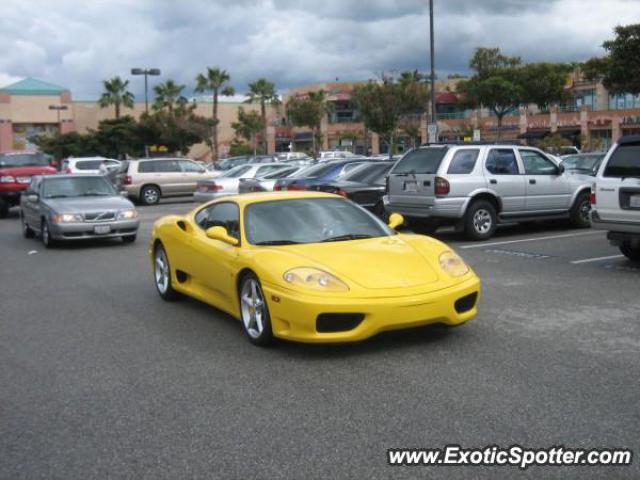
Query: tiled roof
x,y
32,86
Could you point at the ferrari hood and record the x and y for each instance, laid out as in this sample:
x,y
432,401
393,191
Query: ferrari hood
x,y
377,263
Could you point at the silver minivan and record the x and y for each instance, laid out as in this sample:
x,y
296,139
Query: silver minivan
x,y
477,187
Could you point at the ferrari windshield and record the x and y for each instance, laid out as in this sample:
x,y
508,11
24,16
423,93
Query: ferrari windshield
x,y
310,220
77,187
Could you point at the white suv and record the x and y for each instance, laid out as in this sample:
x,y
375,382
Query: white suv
x,y
615,196
86,165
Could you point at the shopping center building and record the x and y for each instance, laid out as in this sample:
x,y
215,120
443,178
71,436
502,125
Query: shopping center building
x,y
591,118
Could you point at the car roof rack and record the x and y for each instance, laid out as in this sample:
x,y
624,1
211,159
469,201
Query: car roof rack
x,y
494,142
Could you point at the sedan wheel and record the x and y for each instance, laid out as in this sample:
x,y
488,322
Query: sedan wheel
x,y
254,311
480,221
46,235
150,195
162,275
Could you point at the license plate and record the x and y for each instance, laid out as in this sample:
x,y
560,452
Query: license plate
x,y
634,201
23,179
411,186
102,229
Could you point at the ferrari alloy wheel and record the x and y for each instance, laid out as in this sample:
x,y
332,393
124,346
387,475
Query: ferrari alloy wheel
x,y
254,311
162,275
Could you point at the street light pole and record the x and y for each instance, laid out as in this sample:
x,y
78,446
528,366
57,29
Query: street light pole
x,y
434,120
58,109
146,72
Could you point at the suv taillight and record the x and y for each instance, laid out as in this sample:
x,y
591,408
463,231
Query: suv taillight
x,y
442,186
593,196
127,180
67,170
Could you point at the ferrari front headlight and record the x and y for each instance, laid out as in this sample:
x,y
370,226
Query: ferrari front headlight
x,y
315,279
127,214
453,264
68,218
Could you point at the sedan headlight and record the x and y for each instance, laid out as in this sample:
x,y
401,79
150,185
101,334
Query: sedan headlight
x,y
127,214
453,264
315,279
7,179
68,218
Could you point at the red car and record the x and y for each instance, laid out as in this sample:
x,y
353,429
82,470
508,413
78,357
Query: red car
x,y
16,170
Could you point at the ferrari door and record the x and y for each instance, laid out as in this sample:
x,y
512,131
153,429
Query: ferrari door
x,y
213,265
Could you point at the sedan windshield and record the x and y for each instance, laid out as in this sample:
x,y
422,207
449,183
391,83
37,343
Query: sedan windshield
x,y
24,160
310,220
77,187
584,163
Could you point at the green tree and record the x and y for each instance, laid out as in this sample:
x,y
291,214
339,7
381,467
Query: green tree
x,y
264,92
308,112
544,83
248,126
118,137
620,68
116,94
385,105
72,144
487,62
169,96
177,130
215,80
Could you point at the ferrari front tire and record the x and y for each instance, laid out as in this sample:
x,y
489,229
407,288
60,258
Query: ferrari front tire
x,y
254,311
162,275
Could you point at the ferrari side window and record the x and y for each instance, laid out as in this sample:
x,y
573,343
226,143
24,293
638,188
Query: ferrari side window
x,y
224,214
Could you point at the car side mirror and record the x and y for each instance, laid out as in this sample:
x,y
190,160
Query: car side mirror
x,y
395,220
221,234
32,197
561,169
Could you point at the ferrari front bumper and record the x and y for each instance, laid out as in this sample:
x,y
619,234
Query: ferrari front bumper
x,y
294,316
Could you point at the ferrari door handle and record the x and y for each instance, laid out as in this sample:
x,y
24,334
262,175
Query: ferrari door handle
x,y
493,181
532,181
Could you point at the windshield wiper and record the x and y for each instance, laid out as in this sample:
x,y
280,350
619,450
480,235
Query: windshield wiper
x,y
348,236
277,242
94,194
60,195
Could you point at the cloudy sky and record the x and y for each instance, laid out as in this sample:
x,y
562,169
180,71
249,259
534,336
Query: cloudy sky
x,y
77,44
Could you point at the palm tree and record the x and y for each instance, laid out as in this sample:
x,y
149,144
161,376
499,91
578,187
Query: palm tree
x,y
168,95
116,94
215,81
263,91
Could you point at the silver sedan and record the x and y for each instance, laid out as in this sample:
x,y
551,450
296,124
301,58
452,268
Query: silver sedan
x,y
76,207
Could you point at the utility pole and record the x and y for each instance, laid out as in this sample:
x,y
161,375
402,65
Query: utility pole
x,y
433,130
146,72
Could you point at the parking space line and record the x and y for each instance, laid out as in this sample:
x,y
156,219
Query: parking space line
x,y
533,239
596,259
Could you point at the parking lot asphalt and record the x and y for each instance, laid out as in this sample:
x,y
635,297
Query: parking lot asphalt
x,y
99,378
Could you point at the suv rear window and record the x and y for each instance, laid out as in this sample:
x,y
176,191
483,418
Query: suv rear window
x,y
625,162
89,165
464,161
422,160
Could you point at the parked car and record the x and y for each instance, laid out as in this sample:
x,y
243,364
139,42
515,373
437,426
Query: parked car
x,y
147,180
228,184
568,150
476,187
16,170
584,163
615,200
334,155
263,159
76,207
316,174
364,185
294,157
87,164
229,163
310,267
267,182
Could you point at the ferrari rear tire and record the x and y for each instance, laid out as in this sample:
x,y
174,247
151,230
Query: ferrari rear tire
x,y
254,311
162,275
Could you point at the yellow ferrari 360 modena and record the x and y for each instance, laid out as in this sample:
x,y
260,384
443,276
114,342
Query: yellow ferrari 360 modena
x,y
310,267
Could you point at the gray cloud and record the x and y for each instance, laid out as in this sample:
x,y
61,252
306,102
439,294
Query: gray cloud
x,y
293,42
